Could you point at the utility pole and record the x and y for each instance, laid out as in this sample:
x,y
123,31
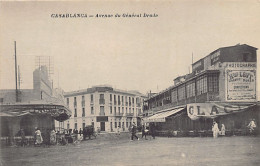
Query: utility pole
x,y
16,90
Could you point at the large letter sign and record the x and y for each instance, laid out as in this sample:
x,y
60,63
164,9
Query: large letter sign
x,y
213,110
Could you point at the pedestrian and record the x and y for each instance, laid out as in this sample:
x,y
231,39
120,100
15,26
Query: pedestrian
x,y
215,130
223,130
251,126
144,131
22,138
118,130
152,129
80,132
133,130
53,137
38,136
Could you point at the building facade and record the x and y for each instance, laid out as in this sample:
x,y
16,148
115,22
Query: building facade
x,y
29,108
221,84
105,108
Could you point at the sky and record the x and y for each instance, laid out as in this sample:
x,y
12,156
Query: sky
x,y
137,53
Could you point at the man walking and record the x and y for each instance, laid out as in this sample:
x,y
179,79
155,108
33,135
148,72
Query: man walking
x,y
134,132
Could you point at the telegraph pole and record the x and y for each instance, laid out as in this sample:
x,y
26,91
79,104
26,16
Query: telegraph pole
x,y
16,90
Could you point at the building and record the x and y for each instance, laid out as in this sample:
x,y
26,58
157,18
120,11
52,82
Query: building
x,y
221,87
104,107
29,108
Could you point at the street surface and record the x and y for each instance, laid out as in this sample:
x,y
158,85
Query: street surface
x,y
110,149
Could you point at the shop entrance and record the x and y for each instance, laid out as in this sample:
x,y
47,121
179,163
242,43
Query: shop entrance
x,y
102,126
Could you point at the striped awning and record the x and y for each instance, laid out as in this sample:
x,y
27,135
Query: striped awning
x,y
162,115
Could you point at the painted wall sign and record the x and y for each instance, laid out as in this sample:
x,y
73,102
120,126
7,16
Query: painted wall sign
x,y
240,81
213,110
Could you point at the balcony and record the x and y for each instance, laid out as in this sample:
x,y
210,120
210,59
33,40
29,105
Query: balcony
x,y
83,103
129,114
118,114
101,101
101,113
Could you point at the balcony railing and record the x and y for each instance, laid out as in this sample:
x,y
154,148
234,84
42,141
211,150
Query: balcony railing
x,y
101,101
83,103
129,114
118,114
101,113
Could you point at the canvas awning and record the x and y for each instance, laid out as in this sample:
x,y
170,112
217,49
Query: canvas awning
x,y
162,115
57,111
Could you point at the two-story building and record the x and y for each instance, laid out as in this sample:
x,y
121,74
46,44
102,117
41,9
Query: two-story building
x,y
104,107
221,87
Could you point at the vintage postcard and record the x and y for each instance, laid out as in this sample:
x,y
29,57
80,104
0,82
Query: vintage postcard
x,y
172,82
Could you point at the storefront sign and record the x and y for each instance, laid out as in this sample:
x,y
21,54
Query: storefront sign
x,y
240,82
215,57
213,110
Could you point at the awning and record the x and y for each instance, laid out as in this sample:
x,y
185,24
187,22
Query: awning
x,y
213,110
57,111
161,116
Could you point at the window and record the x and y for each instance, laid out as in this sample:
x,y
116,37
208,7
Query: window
x,y
201,85
115,109
75,101
174,95
114,99
122,110
119,124
125,109
68,101
75,126
101,99
102,110
92,124
181,92
126,124
111,97
91,98
190,87
83,125
92,110
115,124
75,112
83,101
122,99
111,111
119,110
83,112
123,124
133,100
213,80
133,110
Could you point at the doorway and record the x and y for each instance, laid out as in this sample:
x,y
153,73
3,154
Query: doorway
x,y
102,126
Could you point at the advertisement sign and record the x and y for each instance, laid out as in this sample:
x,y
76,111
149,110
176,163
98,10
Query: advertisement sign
x,y
213,110
240,82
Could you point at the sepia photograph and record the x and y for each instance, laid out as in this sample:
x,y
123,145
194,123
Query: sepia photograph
x,y
129,83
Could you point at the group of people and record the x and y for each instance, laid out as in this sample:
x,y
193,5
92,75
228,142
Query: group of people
x,y
145,131
251,127
216,130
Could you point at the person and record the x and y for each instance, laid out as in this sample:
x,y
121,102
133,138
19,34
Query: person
x,y
152,129
38,136
80,132
215,129
223,130
23,138
118,130
133,130
53,137
251,126
144,131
